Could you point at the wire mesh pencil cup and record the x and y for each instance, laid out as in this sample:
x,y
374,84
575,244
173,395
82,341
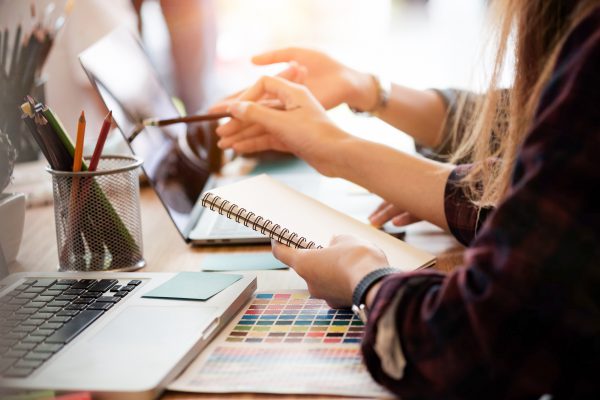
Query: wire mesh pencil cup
x,y
98,222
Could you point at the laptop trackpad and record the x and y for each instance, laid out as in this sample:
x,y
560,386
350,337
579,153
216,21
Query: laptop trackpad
x,y
140,346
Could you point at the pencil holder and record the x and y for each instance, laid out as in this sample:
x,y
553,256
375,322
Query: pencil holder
x,y
98,223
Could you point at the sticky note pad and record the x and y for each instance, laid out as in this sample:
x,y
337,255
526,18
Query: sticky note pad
x,y
241,262
193,286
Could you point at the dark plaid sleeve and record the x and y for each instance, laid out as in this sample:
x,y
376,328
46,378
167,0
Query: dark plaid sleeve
x,y
463,217
522,318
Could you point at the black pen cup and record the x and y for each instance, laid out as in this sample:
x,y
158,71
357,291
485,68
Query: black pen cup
x,y
97,215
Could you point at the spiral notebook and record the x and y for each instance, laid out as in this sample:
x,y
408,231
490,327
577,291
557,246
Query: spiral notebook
x,y
294,219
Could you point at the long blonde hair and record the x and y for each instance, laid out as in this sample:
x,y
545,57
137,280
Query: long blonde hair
x,y
497,125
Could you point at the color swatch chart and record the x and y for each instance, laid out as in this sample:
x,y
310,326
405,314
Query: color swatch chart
x,y
286,343
295,318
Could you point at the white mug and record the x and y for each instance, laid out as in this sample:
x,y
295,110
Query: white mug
x,y
12,221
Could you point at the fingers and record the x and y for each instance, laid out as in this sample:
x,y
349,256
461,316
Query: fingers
x,y
285,254
379,208
276,56
245,133
261,143
404,219
284,90
382,216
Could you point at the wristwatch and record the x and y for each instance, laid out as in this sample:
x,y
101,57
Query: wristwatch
x,y
384,89
360,291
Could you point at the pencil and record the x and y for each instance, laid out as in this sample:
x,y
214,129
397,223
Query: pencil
x,y
78,157
100,144
276,104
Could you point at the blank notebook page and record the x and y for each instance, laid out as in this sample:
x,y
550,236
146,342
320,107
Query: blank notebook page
x,y
315,221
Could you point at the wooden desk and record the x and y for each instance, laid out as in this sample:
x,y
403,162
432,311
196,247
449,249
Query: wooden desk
x,y
166,251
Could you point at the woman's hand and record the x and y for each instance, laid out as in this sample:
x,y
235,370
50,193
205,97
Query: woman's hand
x,y
302,129
333,272
386,211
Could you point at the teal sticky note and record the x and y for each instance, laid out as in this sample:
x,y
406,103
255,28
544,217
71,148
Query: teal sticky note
x,y
241,262
193,286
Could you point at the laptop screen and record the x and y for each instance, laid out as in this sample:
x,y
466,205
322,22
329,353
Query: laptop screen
x,y
128,84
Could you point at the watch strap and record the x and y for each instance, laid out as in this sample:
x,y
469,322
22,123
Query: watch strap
x,y
360,292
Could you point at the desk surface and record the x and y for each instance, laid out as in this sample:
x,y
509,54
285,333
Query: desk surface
x,y
166,251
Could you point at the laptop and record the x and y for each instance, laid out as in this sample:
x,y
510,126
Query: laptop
x,y
95,332
121,72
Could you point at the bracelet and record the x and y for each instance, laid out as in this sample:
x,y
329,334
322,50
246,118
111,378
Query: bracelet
x,y
361,290
384,89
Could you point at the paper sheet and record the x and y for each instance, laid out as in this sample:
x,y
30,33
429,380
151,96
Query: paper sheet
x,y
284,343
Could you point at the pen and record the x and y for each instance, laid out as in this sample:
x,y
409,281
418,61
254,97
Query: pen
x,y
101,140
276,104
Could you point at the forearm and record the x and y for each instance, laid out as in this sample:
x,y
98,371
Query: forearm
x,y
410,182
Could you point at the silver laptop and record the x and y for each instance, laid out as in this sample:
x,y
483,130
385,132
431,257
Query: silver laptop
x,y
95,332
121,72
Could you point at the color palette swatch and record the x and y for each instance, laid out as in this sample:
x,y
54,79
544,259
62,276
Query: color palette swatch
x,y
295,318
286,343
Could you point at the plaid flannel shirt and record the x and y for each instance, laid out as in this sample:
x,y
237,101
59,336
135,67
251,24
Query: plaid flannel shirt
x,y
521,318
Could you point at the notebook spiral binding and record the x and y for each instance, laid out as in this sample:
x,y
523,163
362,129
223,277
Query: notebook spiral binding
x,y
256,222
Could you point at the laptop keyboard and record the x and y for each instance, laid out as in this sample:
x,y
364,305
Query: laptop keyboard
x,y
40,316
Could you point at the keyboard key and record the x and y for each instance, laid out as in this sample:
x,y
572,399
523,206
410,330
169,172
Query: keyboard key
x,y
15,336
35,304
33,289
24,328
74,327
52,292
14,372
48,348
115,288
24,346
134,282
51,325
41,315
60,288
67,313
42,332
22,287
83,284
90,295
83,301
33,322
33,364
33,339
67,282
77,307
128,288
103,285
50,309
26,311
75,292
66,297
45,299
107,299
121,293
15,354
35,355
58,303
27,296
17,301
61,319
100,306
44,282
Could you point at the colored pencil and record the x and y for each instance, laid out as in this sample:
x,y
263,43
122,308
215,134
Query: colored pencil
x,y
78,158
101,141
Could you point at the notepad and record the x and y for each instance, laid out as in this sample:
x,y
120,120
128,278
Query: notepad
x,y
193,286
241,262
294,219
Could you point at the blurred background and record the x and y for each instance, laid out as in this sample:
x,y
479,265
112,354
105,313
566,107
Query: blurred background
x,y
202,48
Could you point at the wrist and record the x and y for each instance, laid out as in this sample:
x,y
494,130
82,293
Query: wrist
x,y
363,93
